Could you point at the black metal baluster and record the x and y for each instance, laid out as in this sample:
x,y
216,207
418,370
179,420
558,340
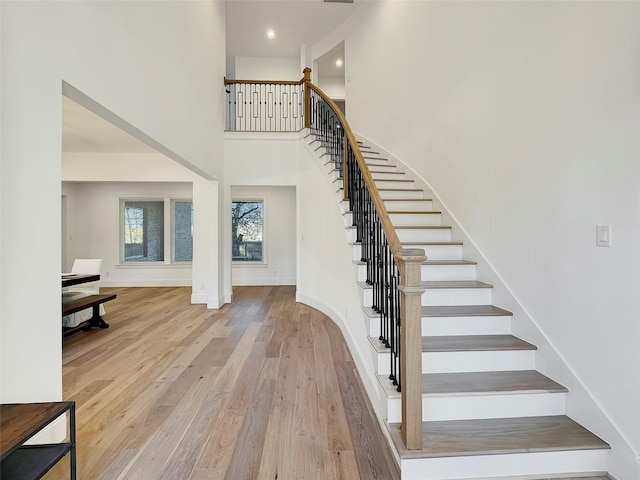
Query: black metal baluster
x,y
398,325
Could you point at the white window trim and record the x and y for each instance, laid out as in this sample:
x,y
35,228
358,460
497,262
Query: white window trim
x,y
169,222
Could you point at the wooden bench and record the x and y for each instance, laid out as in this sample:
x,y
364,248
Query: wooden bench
x,y
91,301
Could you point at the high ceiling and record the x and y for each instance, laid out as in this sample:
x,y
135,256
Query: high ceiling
x,y
294,22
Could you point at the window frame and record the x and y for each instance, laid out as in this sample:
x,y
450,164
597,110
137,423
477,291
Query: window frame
x,y
251,263
168,230
175,200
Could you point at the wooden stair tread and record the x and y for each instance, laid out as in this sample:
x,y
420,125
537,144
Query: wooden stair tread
x,y
409,212
466,343
408,200
449,262
406,180
426,227
414,244
432,285
481,383
455,284
399,190
519,381
453,311
464,311
499,436
473,343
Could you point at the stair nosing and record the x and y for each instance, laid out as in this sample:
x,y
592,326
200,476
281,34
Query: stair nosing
x,y
441,284
525,430
465,343
508,386
453,311
409,212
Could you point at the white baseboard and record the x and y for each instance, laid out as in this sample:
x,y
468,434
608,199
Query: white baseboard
x,y
197,298
215,303
262,282
146,282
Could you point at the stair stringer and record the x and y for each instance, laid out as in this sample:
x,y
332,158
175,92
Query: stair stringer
x,y
582,405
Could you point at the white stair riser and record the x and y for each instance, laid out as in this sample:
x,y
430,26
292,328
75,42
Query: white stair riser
x,y
507,466
408,206
435,273
457,296
383,166
467,407
334,177
441,252
476,361
361,273
404,219
442,296
393,184
374,163
351,234
415,219
404,194
424,234
433,252
379,174
413,235
446,326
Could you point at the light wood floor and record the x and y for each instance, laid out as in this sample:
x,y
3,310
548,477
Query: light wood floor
x,y
263,388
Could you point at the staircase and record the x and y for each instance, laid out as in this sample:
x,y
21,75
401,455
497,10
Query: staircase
x,y
487,412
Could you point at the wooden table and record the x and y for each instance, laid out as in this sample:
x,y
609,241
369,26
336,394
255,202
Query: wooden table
x,y
21,421
69,279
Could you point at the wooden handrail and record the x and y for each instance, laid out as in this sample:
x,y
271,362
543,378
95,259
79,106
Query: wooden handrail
x,y
229,81
409,263
392,236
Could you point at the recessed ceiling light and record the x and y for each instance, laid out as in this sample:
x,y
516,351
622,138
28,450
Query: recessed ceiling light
x,y
339,62
271,34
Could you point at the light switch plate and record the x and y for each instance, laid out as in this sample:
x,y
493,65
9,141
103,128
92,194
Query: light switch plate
x,y
603,235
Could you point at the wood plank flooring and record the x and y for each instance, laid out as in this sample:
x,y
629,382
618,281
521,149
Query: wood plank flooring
x,y
263,388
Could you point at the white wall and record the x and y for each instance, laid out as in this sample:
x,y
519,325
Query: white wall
x,y
333,87
524,118
155,65
95,231
279,237
154,167
267,68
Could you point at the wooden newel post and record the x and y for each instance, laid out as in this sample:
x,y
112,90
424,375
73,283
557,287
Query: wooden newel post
x,y
411,291
307,97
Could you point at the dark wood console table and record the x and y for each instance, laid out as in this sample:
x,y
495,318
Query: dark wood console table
x,y
21,421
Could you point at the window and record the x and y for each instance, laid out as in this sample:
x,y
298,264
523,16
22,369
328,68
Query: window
x,y
158,229
182,231
143,231
246,231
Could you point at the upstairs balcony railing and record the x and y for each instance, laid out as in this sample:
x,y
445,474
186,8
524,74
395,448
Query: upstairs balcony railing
x,y
392,272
